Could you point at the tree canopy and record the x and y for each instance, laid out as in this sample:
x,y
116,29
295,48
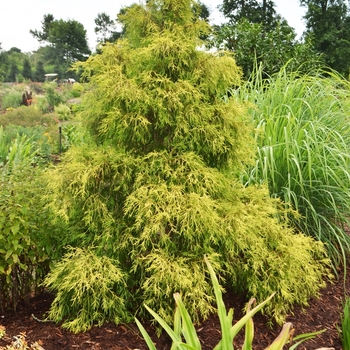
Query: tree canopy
x,y
257,34
106,28
254,11
67,42
328,27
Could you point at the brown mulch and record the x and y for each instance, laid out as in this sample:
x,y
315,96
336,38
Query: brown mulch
x,y
322,313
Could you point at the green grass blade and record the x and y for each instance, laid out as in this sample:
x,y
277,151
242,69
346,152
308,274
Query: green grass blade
x,y
145,335
177,326
175,337
225,320
188,329
249,329
282,338
304,337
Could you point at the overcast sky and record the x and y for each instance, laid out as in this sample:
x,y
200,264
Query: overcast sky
x,y
17,17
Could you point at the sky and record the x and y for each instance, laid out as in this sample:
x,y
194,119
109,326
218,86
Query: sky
x,y
17,17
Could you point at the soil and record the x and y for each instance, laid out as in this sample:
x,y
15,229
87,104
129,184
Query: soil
x,y
322,313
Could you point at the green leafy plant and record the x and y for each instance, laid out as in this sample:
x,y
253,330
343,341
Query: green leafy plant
x,y
76,90
184,335
303,136
24,243
89,288
53,96
17,152
344,332
63,111
26,117
41,138
12,100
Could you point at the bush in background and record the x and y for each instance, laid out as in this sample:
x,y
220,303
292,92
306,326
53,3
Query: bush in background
x,y
63,111
77,90
12,100
53,96
26,117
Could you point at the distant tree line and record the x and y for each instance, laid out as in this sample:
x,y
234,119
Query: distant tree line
x,y
254,32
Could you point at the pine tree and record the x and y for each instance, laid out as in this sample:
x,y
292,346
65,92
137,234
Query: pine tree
x,y
39,74
27,69
12,76
158,187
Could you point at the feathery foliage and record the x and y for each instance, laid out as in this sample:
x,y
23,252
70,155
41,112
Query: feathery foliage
x,y
160,186
93,287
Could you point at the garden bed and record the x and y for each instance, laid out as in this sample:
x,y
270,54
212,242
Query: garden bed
x,y
323,313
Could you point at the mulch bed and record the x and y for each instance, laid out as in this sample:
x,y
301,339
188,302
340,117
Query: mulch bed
x,y
323,313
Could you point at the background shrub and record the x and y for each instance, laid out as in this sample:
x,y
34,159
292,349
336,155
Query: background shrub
x,y
12,100
53,95
63,111
26,116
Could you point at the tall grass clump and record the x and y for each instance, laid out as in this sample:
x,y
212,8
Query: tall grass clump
x,y
12,100
303,137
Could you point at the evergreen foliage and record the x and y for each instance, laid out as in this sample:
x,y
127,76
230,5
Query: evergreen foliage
x,y
27,69
88,283
159,187
39,74
328,28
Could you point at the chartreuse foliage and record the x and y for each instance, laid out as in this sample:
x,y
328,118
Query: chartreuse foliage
x,y
303,137
184,335
160,186
91,286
